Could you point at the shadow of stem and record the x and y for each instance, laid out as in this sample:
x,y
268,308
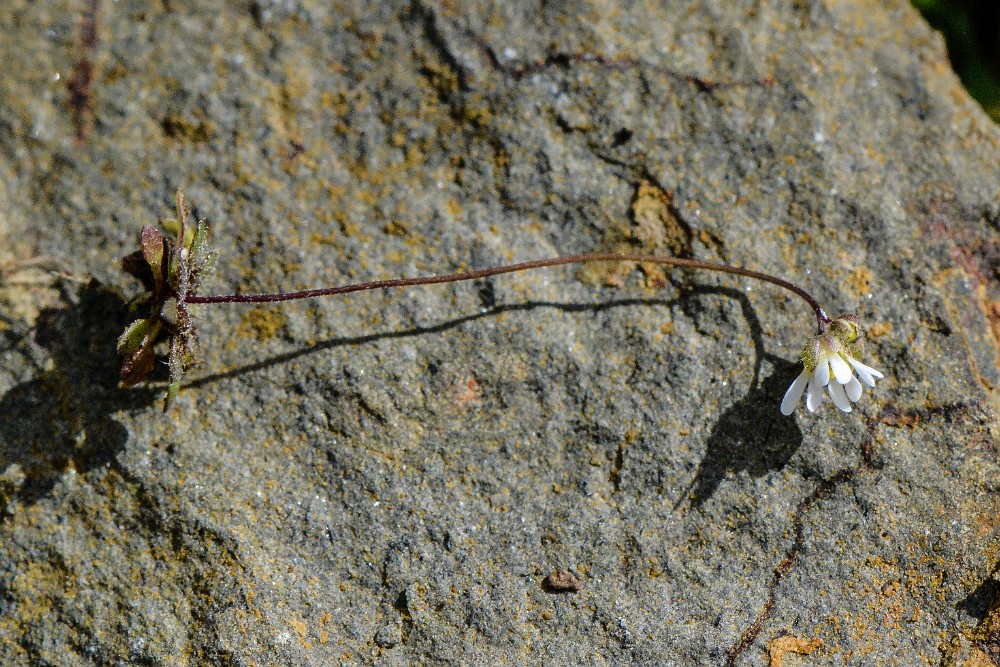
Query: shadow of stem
x,y
751,435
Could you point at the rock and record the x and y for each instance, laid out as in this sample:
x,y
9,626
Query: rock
x,y
389,636
420,460
562,581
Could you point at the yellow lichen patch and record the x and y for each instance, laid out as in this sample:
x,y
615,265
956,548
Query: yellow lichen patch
x,y
261,323
28,286
710,239
179,128
317,238
441,77
349,227
656,226
860,280
396,228
988,630
780,646
878,329
979,659
301,629
654,229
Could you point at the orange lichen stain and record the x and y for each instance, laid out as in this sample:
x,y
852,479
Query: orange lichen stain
x,y
781,646
261,323
887,601
467,391
979,659
992,310
900,419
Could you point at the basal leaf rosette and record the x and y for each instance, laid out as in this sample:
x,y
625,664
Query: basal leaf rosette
x,y
171,268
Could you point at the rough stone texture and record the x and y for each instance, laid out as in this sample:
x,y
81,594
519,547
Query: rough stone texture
x,y
389,478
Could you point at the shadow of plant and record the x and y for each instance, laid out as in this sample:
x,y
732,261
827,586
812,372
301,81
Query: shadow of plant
x,y
984,604
752,434
63,417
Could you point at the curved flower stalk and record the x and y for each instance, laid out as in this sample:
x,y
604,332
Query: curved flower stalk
x,y
830,363
172,270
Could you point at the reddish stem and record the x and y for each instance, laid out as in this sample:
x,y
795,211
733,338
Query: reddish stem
x,y
821,318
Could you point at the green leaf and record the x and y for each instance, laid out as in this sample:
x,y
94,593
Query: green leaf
x,y
137,366
173,227
198,243
135,265
173,389
153,247
133,336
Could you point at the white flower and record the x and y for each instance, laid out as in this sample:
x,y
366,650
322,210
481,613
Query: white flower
x,y
830,362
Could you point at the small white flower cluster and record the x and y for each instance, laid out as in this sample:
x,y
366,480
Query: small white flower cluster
x,y
830,361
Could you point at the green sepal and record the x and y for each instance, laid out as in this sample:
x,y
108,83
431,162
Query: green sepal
x,y
847,331
810,354
845,328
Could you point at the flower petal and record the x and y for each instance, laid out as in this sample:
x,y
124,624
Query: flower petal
x,y
794,393
839,396
822,374
814,395
857,364
867,374
853,389
841,370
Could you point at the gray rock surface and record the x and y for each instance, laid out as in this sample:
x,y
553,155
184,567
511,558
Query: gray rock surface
x,y
389,478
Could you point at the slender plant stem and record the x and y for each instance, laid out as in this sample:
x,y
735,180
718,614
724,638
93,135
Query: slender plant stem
x,y
821,318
